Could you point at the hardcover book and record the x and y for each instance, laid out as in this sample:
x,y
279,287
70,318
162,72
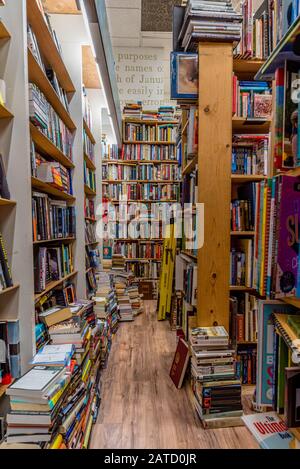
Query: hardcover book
x,y
180,363
270,431
288,278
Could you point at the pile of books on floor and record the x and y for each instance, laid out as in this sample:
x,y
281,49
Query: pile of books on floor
x,y
136,301
216,391
209,21
123,300
55,403
132,110
118,262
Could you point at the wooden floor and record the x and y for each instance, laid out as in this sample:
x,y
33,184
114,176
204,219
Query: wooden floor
x,y
141,408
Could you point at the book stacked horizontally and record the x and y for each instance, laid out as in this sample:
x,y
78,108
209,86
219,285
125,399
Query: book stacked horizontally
x,y
133,110
118,262
207,20
166,113
135,299
123,300
217,392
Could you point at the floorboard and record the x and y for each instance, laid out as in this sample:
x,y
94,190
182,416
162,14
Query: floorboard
x,y
141,408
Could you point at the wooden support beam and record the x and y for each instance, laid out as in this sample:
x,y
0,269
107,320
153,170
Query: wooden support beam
x,y
214,181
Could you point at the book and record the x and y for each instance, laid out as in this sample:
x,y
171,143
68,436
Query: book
x,y
54,355
180,363
5,268
4,190
36,382
269,430
55,315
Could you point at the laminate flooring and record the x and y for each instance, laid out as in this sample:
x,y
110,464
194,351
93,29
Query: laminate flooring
x,y
141,408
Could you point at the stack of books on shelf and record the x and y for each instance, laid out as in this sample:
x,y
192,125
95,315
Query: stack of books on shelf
x,y
89,209
138,152
264,28
55,174
216,391
89,177
43,116
209,21
55,403
250,154
90,233
51,264
52,219
166,113
133,110
252,99
243,318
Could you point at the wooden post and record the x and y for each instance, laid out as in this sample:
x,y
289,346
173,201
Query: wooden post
x,y
214,181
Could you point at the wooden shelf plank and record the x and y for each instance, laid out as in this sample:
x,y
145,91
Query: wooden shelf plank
x,y
244,178
5,202
156,122
53,285
139,259
148,142
48,46
89,191
242,233
241,288
89,132
10,289
153,181
292,301
190,166
135,162
45,146
48,189
90,164
251,125
57,240
247,66
141,201
38,76
92,244
245,342
4,33
189,254
5,113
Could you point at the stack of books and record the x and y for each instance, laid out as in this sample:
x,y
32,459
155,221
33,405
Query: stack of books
x,y
252,99
136,301
217,392
118,262
133,110
123,300
209,21
166,113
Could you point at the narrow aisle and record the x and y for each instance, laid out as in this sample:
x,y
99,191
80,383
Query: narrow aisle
x,y
140,406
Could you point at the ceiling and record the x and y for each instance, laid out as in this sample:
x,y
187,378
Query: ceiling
x,y
68,7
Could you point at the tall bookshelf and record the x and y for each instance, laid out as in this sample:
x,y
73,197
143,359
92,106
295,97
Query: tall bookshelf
x,y
157,172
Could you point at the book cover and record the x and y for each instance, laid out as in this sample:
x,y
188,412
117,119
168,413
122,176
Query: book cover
x,y
180,363
184,75
288,278
270,431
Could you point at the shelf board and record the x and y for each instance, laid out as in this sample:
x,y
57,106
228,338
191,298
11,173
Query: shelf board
x,y
7,202
92,244
190,166
148,142
48,189
282,52
4,33
141,259
153,181
189,254
141,201
135,162
242,233
10,289
58,240
293,172
247,66
245,342
38,76
89,191
241,288
90,164
48,46
90,219
89,132
250,125
244,178
292,301
156,122
5,113
53,285
45,146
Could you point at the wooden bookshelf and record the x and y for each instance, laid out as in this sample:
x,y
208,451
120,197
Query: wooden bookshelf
x,y
135,162
47,148
293,302
48,46
89,163
49,189
241,288
5,113
190,166
142,181
88,132
4,33
148,142
53,285
6,291
250,125
38,76
142,259
189,254
89,192
56,240
246,67
7,202
241,178
242,233
156,123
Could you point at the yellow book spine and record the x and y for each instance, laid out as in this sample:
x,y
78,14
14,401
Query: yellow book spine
x,y
261,282
57,442
88,433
